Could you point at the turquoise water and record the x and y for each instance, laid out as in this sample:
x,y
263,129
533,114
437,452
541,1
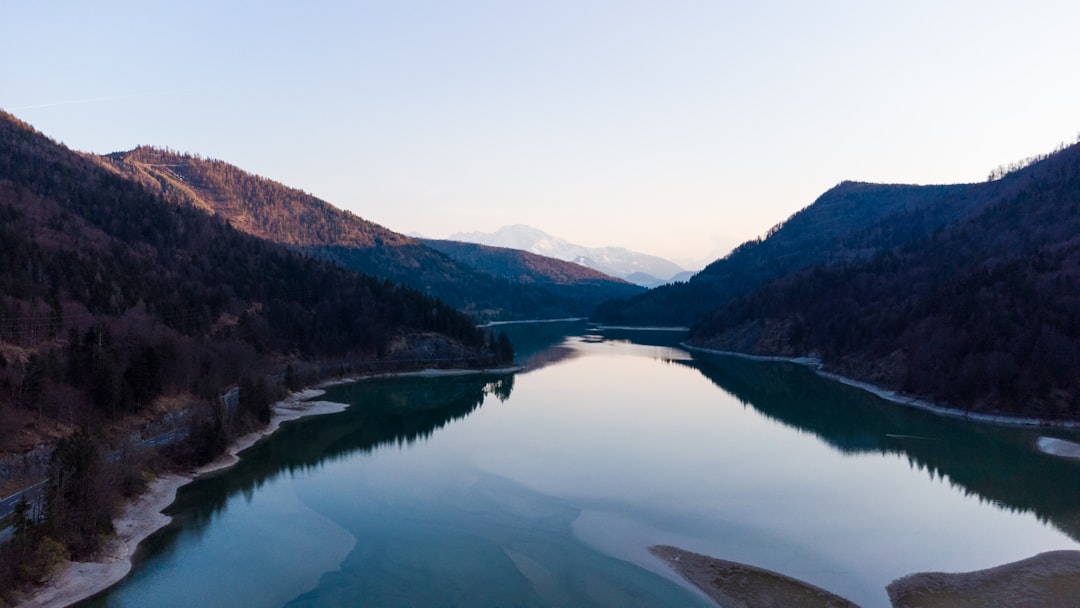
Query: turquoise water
x,y
545,488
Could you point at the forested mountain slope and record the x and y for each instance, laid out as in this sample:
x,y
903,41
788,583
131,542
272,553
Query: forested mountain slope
x,y
852,221
124,317
982,314
275,212
111,296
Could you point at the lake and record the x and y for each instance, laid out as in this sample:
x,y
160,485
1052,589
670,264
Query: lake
x,y
546,487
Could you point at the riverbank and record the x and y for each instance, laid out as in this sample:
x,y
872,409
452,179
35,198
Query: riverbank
x,y
894,396
143,517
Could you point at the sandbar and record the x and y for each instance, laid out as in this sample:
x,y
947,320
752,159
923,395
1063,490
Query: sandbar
x,y
1045,581
1058,447
735,585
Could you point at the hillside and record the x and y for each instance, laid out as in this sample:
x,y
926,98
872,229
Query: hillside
x,y
272,211
851,221
89,254
982,314
123,316
257,206
638,268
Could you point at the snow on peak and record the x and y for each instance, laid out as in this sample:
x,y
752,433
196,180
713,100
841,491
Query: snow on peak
x,y
640,268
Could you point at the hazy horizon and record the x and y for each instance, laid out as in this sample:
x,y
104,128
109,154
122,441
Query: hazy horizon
x,y
675,129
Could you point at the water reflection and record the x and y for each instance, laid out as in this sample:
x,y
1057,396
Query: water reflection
x,y
996,463
391,411
538,345
395,411
670,338
612,441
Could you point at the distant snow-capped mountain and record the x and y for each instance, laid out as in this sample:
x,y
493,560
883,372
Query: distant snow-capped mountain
x,y
640,268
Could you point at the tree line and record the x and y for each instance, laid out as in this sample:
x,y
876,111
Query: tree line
x,y
113,298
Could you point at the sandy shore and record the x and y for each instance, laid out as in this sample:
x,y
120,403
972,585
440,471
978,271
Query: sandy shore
x,y
735,585
1058,447
895,397
1047,580
143,517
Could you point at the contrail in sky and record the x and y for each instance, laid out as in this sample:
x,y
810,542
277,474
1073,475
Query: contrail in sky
x,y
72,102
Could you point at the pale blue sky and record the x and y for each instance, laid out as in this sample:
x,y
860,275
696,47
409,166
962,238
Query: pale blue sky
x,y
678,128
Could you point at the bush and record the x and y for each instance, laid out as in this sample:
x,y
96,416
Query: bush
x,y
43,561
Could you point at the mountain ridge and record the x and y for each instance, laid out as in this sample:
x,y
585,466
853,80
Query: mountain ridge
x,y
275,212
851,221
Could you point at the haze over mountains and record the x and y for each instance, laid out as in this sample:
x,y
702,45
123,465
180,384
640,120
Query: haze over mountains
x,y
639,268
273,211
867,277
968,295
137,287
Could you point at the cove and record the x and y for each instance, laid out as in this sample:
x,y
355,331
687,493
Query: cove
x,y
546,488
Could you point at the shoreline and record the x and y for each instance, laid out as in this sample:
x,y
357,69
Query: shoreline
x,y
420,373
523,321
642,327
142,517
1047,579
895,397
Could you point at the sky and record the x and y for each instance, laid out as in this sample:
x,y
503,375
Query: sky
x,y
678,128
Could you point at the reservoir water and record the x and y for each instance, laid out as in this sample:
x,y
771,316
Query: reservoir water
x,y
546,487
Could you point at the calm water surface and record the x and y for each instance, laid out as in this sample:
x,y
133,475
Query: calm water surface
x,y
546,487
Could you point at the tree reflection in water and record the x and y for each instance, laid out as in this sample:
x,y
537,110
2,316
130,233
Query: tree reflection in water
x,y
999,464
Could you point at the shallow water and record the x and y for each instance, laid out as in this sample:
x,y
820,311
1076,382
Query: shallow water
x,y
545,488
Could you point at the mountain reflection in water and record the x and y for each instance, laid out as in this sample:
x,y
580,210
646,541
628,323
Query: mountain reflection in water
x,y
546,487
997,463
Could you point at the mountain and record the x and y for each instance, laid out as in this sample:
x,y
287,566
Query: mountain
x,y
89,254
978,307
124,317
682,277
275,212
639,268
515,265
852,221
